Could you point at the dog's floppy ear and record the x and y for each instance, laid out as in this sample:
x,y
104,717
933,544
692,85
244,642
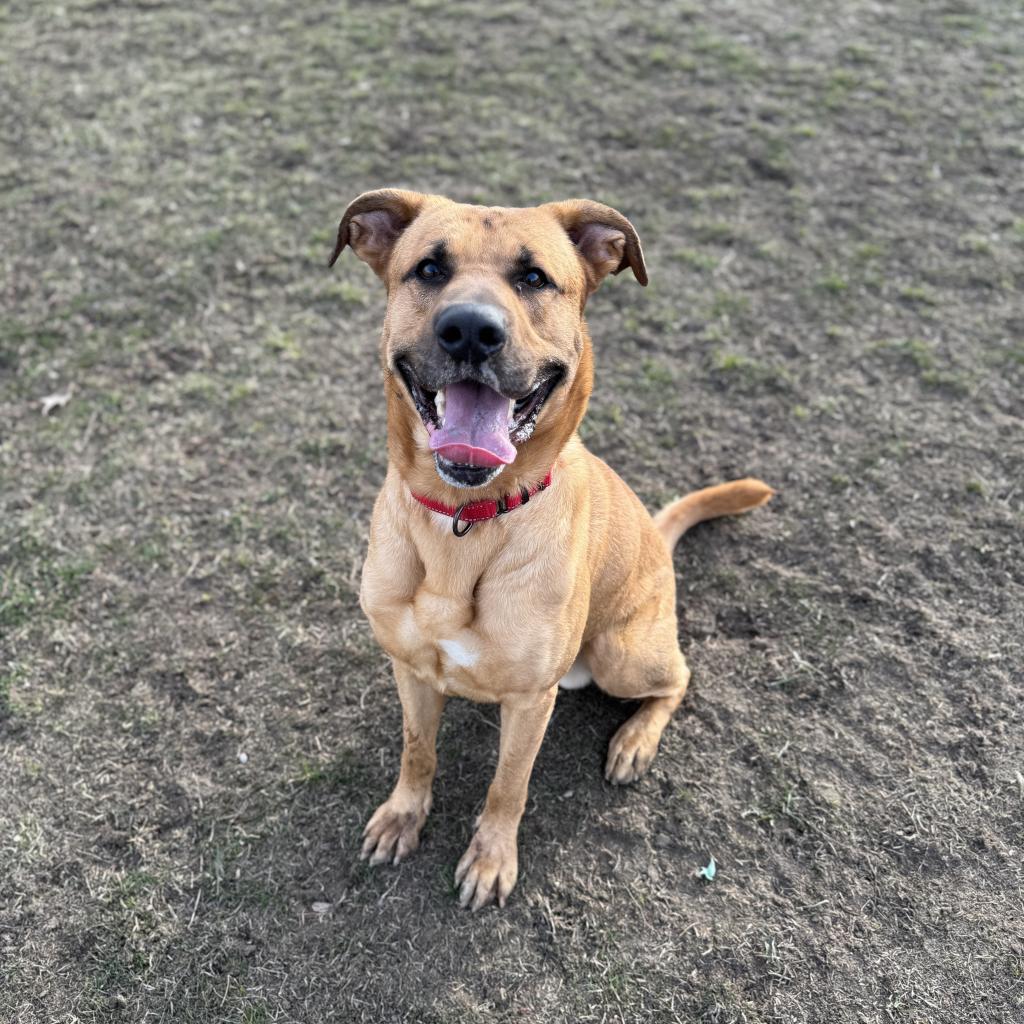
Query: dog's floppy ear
x,y
606,240
373,223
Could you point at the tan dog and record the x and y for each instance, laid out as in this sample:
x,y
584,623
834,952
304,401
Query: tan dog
x,y
488,369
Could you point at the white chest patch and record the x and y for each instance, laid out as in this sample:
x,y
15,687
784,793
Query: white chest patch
x,y
458,653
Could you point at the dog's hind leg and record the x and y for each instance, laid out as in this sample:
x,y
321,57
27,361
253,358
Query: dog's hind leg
x,y
634,745
639,658
641,661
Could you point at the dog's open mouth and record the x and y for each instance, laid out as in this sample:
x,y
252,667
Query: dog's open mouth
x,y
473,429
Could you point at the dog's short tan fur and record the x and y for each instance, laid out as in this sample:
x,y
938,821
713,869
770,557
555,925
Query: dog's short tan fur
x,y
581,572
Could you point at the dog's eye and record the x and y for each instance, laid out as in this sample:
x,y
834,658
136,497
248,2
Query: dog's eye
x,y
428,270
535,278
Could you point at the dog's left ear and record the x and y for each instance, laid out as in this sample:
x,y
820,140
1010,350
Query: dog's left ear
x,y
606,240
373,223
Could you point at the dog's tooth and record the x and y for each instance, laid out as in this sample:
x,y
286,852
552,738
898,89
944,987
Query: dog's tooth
x,y
439,406
511,411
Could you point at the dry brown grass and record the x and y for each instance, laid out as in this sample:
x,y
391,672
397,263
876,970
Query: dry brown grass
x,y
829,196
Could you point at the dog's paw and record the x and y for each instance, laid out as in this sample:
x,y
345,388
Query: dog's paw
x,y
394,830
630,752
488,869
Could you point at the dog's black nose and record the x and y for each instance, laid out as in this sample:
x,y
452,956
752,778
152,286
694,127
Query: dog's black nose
x,y
470,331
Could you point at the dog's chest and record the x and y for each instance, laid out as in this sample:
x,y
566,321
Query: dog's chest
x,y
433,635
477,638
480,617
434,623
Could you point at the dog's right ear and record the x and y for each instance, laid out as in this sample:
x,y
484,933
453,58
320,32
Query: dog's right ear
x,y
373,223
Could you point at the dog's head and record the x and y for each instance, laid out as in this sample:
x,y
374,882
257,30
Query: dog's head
x,y
484,340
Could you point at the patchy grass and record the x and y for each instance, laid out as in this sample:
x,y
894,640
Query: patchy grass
x,y
195,721
695,259
832,284
932,369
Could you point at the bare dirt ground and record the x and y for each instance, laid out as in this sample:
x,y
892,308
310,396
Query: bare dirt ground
x,y
194,719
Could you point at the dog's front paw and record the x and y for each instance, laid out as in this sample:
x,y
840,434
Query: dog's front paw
x,y
394,830
489,868
631,752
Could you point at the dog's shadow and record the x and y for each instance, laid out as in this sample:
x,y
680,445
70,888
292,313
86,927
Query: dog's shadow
x,y
567,783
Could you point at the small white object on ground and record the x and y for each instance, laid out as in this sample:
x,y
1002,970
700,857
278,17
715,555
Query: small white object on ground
x,y
55,401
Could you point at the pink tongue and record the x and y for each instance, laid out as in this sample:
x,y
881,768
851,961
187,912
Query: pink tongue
x,y
475,431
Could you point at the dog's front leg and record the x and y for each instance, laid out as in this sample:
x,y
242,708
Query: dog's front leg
x,y
489,868
394,830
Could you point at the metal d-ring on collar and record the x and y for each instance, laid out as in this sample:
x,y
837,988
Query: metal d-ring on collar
x,y
457,517
501,506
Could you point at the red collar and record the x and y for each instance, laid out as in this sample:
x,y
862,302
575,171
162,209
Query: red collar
x,y
470,513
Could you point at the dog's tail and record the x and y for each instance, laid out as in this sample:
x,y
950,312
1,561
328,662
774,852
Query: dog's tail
x,y
721,500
